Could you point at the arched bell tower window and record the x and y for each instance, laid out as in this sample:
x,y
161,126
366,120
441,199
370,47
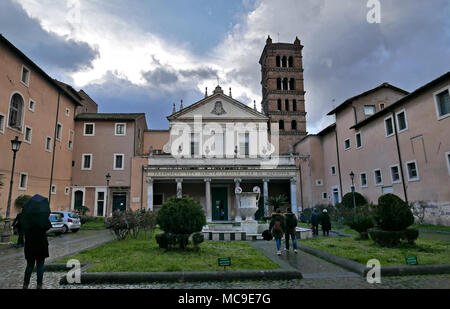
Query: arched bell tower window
x,y
16,111
285,84
284,62
291,62
286,104
278,60
279,104
292,84
294,125
279,84
294,105
281,125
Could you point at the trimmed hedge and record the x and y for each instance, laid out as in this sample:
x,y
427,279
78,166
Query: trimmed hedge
x,y
392,213
347,200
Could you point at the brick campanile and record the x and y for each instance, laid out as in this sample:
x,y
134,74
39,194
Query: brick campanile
x,y
283,91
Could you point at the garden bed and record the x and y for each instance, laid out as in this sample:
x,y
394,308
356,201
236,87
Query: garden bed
x,y
427,251
144,255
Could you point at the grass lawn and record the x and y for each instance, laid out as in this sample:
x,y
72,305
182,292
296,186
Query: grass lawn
x,y
430,227
427,251
93,225
144,255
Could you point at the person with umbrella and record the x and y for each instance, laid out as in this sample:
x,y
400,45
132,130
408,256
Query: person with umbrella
x,y
35,224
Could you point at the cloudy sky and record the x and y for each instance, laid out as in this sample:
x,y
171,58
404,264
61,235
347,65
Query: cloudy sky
x,y
143,56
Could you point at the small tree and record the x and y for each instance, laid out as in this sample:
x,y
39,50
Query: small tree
x,y
179,218
347,200
21,200
278,201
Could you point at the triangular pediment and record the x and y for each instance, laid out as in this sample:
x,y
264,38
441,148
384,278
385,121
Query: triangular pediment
x,y
218,106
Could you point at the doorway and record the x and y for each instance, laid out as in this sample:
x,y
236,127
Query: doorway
x,y
78,199
219,204
119,202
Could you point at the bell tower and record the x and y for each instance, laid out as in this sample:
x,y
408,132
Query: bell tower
x,y
283,94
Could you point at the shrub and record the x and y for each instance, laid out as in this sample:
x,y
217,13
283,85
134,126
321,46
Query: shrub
x,y
21,200
179,218
118,225
385,238
162,240
305,215
347,200
392,213
147,220
361,220
82,210
410,235
197,239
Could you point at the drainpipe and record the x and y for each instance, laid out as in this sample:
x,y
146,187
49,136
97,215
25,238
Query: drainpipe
x,y
339,163
301,184
399,156
142,183
53,155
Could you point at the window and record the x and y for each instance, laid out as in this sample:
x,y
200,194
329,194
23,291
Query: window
x,y
291,62
378,177
68,112
294,105
278,61
2,123
89,129
319,182
402,124
58,131
195,144
121,129
442,99
292,84
28,134
286,104
285,84
294,125
16,112
363,180
244,141
333,170
324,195
86,161
118,161
279,84
369,110
53,189
358,140
31,105
413,172
281,125
347,144
395,173
447,158
66,190
284,62
381,106
23,181
70,143
279,104
25,79
48,144
389,126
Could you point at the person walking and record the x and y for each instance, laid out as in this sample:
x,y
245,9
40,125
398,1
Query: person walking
x,y
17,226
291,224
325,222
35,223
277,227
315,222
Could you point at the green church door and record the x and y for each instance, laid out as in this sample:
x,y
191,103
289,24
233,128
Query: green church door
x,y
219,204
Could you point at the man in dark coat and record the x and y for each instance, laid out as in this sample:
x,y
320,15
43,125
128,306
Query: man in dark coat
x,y
17,225
325,222
315,222
291,224
277,226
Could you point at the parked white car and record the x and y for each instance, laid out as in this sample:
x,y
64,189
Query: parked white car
x,y
57,224
71,221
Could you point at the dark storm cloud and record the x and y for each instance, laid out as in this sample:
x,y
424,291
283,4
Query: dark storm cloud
x,y
160,76
202,73
49,50
118,95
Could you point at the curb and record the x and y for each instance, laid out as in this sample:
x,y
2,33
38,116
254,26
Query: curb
x,y
189,276
385,270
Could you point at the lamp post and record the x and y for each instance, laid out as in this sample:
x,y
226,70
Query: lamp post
x,y
352,176
15,146
108,177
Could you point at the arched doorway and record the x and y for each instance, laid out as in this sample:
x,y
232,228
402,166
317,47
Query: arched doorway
x,y
78,199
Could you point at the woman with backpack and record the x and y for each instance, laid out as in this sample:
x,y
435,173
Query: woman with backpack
x,y
277,227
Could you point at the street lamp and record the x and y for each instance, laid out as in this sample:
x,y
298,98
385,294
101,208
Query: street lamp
x,y
108,177
15,146
352,176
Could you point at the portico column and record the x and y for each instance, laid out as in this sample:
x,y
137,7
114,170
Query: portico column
x,y
266,196
179,188
294,195
237,217
150,193
208,199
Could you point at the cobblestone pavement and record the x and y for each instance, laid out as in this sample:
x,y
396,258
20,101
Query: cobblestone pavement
x,y
318,274
12,261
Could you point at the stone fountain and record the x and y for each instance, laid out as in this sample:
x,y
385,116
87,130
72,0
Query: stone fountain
x,y
248,206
